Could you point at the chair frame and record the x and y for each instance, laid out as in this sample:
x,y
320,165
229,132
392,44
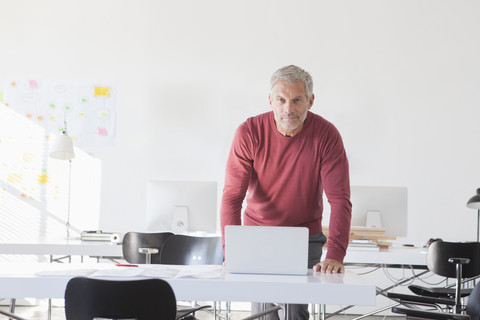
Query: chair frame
x,y
459,260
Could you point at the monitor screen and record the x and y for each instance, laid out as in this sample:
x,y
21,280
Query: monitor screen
x,y
387,204
181,206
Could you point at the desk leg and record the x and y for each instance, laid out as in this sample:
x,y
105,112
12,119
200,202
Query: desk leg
x,y
228,310
12,305
320,313
323,311
49,313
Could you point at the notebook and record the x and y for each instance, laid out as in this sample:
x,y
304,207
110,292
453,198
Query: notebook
x,y
266,250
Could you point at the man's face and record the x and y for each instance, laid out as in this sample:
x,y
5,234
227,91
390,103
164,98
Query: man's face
x,y
290,105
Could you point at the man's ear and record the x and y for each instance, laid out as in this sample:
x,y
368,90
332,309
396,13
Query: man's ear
x,y
310,103
270,99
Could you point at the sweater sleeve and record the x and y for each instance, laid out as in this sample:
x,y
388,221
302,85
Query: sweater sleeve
x,y
336,184
237,177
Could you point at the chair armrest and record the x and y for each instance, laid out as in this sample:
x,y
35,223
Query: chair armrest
x,y
421,314
407,298
459,260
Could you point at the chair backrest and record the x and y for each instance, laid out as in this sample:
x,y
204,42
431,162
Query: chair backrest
x,y
192,250
440,251
132,241
473,307
144,299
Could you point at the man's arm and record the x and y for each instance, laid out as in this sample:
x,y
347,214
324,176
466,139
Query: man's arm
x,y
336,183
237,176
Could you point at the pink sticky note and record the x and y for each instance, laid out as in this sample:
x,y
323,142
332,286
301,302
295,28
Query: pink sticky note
x,y
102,132
32,83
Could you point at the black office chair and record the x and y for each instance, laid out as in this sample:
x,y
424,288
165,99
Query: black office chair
x,y
144,299
472,310
192,250
458,260
141,247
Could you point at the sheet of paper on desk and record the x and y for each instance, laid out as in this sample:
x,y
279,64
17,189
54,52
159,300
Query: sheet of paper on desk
x,y
68,272
201,271
117,272
156,271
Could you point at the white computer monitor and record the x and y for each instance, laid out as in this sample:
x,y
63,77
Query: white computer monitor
x,y
390,203
181,206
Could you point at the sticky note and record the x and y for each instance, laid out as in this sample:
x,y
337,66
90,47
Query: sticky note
x,y
14,178
1,96
32,84
102,132
101,91
43,178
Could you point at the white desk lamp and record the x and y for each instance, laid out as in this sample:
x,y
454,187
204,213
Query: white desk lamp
x,y
62,149
474,203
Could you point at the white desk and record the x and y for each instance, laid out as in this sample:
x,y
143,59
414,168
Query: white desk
x,y
23,281
44,246
395,255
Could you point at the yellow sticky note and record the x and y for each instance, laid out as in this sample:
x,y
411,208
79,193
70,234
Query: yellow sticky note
x,y
43,178
1,96
101,91
14,178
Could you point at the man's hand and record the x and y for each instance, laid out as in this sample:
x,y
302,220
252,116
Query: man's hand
x,y
329,266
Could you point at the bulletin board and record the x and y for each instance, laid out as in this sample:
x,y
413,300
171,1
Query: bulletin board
x,y
87,108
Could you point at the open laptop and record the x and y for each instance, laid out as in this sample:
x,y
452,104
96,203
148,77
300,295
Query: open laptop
x,y
266,250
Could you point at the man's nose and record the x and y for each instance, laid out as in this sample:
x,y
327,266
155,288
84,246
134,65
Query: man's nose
x,y
288,106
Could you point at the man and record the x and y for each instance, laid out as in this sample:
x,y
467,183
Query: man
x,y
285,159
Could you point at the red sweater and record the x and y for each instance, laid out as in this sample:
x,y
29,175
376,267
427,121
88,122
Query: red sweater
x,y
285,178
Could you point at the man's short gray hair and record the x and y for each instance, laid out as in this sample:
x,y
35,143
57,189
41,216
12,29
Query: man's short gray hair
x,y
292,74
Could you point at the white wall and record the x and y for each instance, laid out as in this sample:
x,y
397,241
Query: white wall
x,y
400,79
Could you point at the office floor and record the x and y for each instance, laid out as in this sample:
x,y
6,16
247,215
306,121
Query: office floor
x,y
58,313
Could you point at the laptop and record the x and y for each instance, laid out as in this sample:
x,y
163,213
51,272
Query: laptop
x,y
266,250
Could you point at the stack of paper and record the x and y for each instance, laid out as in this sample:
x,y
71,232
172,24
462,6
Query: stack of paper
x,y
363,244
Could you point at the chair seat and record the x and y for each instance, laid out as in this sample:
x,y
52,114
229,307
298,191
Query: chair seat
x,y
421,314
405,298
438,292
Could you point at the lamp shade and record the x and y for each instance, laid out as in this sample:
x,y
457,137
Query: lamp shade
x,y
474,201
62,148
